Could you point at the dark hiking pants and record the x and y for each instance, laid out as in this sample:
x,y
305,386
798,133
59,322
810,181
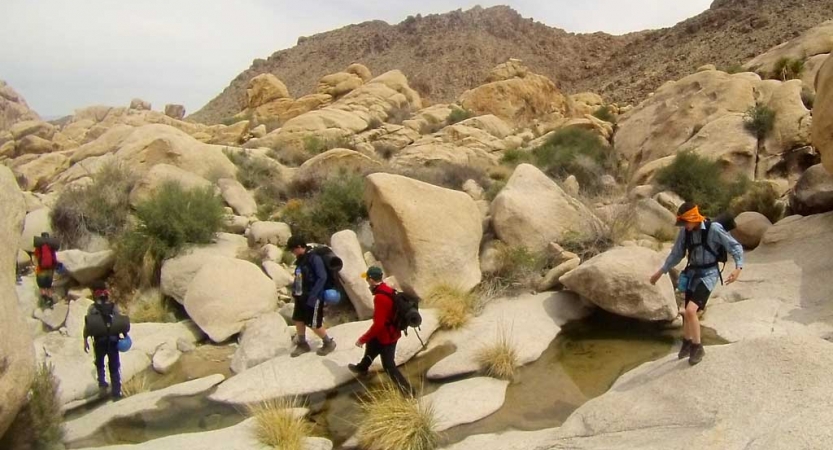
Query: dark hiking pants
x,y
373,349
106,347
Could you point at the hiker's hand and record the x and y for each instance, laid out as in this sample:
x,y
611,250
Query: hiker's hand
x,y
733,276
86,346
655,277
359,344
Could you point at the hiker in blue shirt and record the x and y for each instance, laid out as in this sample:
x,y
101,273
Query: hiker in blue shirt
x,y
701,274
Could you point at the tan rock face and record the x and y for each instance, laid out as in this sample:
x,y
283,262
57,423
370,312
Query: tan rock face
x,y
13,107
617,281
227,293
660,125
750,229
38,173
346,245
332,161
360,70
158,175
236,196
264,88
338,84
416,247
16,352
532,211
815,41
823,114
519,99
140,105
792,120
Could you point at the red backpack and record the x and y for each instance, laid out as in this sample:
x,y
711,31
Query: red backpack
x,y
47,257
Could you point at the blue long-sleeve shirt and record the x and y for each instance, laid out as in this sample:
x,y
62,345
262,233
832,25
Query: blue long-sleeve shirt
x,y
717,237
320,273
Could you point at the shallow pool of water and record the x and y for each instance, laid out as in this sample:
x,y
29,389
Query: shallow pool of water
x,y
581,363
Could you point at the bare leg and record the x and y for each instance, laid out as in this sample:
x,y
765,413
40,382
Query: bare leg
x,y
300,330
320,332
692,323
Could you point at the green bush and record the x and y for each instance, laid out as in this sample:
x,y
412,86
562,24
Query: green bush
x,y
761,197
787,69
449,175
101,207
459,115
700,180
514,156
336,205
518,270
735,68
759,120
170,219
315,145
257,173
579,152
605,113
39,424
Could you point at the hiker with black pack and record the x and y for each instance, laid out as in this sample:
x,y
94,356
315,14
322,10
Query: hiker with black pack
x,y
46,261
109,331
706,243
311,280
383,334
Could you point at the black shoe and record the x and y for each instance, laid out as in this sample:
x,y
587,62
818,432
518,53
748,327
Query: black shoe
x,y
116,396
685,350
355,369
103,385
697,354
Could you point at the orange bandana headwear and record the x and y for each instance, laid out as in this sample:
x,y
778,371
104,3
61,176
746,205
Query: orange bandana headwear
x,y
692,216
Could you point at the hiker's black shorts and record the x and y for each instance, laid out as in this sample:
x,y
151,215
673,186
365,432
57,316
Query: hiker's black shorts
x,y
44,278
700,295
312,317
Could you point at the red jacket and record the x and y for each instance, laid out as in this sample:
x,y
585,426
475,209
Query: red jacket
x,y
381,329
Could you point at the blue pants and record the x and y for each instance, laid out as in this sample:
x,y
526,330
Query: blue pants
x,y
107,347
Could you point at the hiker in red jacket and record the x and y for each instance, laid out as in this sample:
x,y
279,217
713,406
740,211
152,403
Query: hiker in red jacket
x,y
381,338
46,260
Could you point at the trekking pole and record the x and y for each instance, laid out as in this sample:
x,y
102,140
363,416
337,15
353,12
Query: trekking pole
x,y
420,338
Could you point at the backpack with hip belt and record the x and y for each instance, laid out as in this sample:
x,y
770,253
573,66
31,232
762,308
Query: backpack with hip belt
x,y
727,221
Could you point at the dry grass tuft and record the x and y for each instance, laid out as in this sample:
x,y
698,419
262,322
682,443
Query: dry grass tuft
x,y
499,359
277,425
139,384
455,305
394,421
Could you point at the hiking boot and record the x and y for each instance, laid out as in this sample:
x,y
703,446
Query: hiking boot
x,y
300,349
326,348
685,350
103,385
355,369
697,354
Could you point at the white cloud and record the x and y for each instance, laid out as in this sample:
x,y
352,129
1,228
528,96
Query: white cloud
x,y
63,54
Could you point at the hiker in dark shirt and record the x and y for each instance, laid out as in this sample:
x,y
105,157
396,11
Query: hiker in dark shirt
x,y
105,343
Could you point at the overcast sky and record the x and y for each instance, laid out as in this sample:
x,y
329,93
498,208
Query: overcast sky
x,y
63,54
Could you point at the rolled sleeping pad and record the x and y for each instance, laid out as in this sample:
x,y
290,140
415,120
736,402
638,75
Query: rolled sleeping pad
x,y
51,241
331,260
97,327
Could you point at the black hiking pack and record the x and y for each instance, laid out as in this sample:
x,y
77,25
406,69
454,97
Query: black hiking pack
x,y
332,263
727,221
405,312
103,321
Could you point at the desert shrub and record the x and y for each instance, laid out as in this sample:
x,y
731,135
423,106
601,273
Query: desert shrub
x,y
605,113
391,420
385,150
336,205
399,114
787,69
257,173
151,307
808,97
458,115
759,120
101,207
271,124
449,175
170,219
455,305
701,181
494,189
431,125
374,123
761,197
289,156
138,384
579,152
277,426
39,424
515,156
315,145
518,268
734,68
499,359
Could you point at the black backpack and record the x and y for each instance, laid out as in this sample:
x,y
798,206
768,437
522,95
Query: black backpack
x,y
727,221
102,321
405,311
332,263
